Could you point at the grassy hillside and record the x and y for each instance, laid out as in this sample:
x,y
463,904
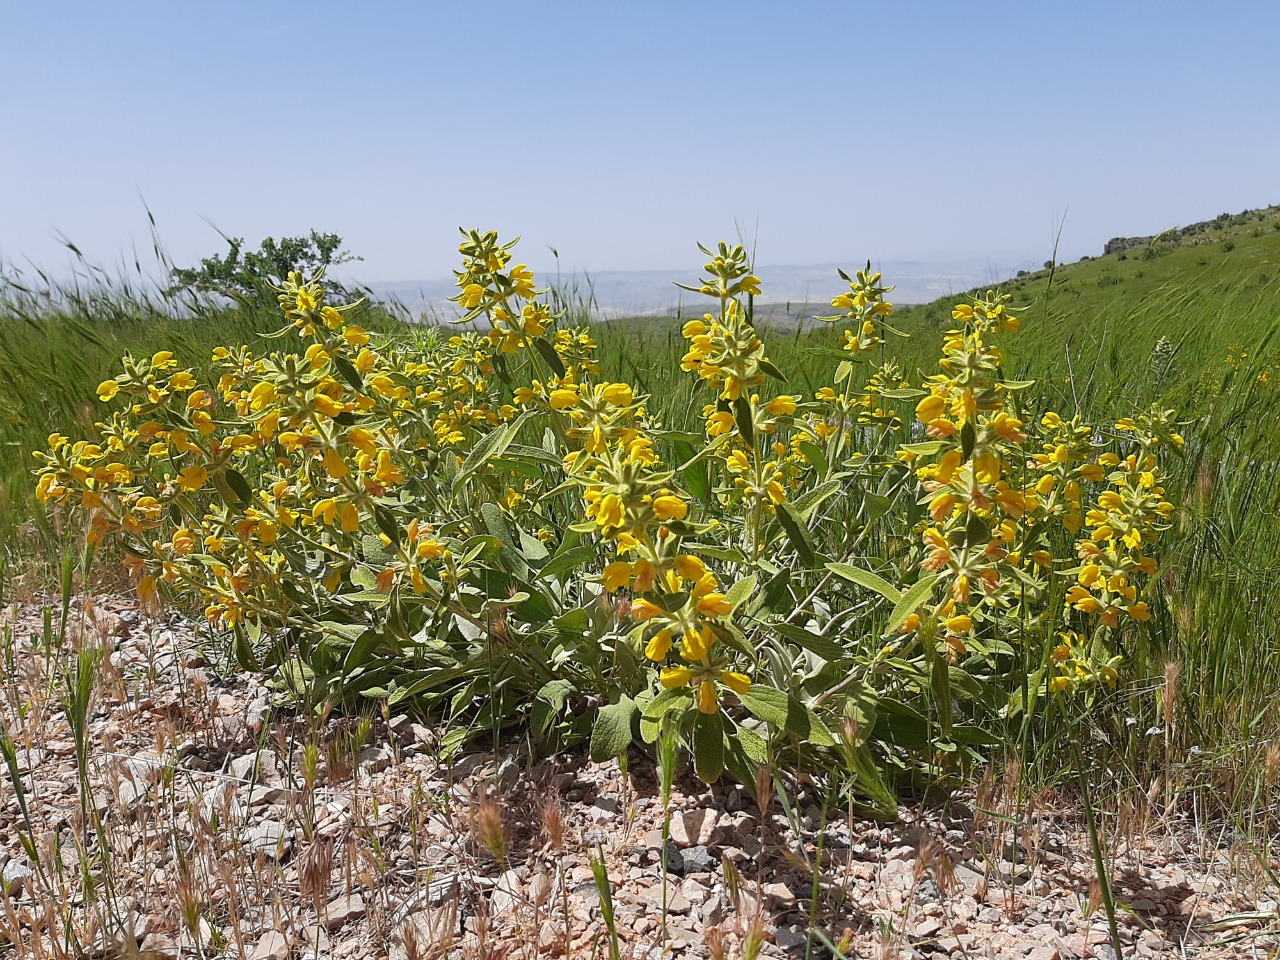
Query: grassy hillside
x,y
1211,292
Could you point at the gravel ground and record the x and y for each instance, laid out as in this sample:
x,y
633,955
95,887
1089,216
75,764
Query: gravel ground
x,y
217,825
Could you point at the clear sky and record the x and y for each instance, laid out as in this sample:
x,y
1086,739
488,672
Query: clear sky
x,y
622,132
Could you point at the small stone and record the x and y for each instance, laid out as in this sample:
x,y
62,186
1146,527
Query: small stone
x,y
927,929
272,946
14,878
541,887
694,890
271,837
375,759
158,946
507,892
697,860
343,910
691,828
789,938
603,810
779,893
256,713
677,904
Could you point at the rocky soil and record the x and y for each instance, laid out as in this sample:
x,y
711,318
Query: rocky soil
x,y
218,825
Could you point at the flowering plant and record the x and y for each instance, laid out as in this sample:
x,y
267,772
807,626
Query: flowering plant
x,y
482,525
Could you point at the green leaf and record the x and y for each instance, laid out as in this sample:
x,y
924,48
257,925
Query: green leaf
x,y
787,713
724,554
532,548
667,701
495,522
742,417
876,506
917,595
548,353
244,651
807,505
566,561
348,372
865,578
797,533
708,747
492,445
741,591
824,647
522,451
926,448
386,523
901,725
776,594
814,455
611,734
768,367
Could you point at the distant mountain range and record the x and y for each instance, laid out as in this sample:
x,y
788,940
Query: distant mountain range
x,y
787,290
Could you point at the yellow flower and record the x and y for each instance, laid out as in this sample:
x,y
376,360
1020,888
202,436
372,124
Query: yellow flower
x,y
616,576
719,423
349,517
959,624
356,336
714,605
619,394
642,610
326,406
431,550
472,294
739,683
611,512
563,398
668,507
930,408
388,473
162,360
1139,611
192,478
659,646
325,510
181,382
107,389
783,406
673,677
708,698
334,466
691,568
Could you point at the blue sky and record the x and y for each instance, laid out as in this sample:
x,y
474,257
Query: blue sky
x,y
621,133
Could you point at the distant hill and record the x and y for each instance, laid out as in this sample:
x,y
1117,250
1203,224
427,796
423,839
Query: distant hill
x,y
788,290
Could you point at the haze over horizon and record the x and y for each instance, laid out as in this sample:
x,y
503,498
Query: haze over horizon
x,y
620,135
